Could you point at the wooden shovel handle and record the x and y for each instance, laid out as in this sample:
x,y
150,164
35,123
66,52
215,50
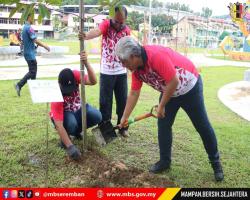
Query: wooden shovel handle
x,y
140,117
144,116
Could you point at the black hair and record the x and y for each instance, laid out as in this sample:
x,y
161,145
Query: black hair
x,y
123,8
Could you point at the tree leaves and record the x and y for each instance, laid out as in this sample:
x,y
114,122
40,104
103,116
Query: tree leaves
x,y
18,7
9,1
45,13
28,9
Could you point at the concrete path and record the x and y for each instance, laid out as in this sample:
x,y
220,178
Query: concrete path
x,y
47,67
50,67
202,61
231,95
43,71
236,96
20,61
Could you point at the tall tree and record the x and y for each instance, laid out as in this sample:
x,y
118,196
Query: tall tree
x,y
134,19
164,23
206,12
178,6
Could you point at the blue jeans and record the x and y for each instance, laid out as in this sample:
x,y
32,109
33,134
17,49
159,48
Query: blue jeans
x,y
108,85
193,104
72,121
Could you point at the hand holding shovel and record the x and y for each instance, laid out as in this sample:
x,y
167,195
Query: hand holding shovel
x,y
105,132
131,120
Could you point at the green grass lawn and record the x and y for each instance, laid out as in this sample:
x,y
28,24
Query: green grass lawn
x,y
74,47
23,130
74,44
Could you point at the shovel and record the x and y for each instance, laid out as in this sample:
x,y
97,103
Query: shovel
x,y
105,132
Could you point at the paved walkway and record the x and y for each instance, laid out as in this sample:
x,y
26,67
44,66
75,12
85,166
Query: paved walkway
x,y
47,67
201,61
236,96
50,67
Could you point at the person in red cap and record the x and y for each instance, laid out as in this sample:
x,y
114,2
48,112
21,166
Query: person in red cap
x,y
67,115
180,85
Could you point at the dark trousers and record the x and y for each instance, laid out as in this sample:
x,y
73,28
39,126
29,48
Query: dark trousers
x,y
72,121
193,104
30,75
108,85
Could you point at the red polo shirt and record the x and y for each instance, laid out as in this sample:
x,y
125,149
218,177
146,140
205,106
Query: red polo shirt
x,y
110,63
161,64
70,103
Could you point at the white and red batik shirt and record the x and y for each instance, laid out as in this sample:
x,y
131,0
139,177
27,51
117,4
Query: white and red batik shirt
x,y
161,64
110,63
71,103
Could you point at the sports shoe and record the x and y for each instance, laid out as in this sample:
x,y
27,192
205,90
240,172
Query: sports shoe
x,y
218,171
18,89
159,167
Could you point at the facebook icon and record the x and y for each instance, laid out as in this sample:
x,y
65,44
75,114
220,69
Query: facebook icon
x,y
6,194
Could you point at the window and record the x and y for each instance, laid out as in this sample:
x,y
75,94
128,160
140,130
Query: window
x,y
3,21
13,21
46,22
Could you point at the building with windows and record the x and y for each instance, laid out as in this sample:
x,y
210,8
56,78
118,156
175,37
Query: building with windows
x,y
71,16
195,31
61,19
8,25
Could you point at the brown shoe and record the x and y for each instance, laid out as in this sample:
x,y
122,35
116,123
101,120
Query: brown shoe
x,y
124,133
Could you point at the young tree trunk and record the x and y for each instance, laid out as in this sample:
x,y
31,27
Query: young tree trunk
x,y
83,99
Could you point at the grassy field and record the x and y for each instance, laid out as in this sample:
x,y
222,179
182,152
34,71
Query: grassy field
x,y
74,46
23,149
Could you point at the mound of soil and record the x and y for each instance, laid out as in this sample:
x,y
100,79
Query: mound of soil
x,y
98,171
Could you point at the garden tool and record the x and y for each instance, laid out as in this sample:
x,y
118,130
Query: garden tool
x,y
105,132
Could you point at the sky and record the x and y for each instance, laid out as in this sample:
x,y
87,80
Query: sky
x,y
219,7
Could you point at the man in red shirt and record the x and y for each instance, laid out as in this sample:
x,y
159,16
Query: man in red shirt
x,y
113,77
180,85
67,115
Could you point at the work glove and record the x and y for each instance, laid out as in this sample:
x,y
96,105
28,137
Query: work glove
x,y
73,152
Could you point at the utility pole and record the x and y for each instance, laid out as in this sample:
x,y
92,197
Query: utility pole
x,y
144,30
149,23
83,99
206,45
176,42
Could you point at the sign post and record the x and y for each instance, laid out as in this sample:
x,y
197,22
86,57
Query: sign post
x,y
45,91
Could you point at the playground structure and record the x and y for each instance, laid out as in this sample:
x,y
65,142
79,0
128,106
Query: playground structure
x,y
240,14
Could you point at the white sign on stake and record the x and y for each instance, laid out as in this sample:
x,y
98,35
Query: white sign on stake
x,y
45,91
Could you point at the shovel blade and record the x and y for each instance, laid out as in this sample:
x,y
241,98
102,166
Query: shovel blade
x,y
104,133
98,136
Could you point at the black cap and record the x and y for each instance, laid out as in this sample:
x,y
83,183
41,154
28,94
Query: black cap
x,y
67,81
